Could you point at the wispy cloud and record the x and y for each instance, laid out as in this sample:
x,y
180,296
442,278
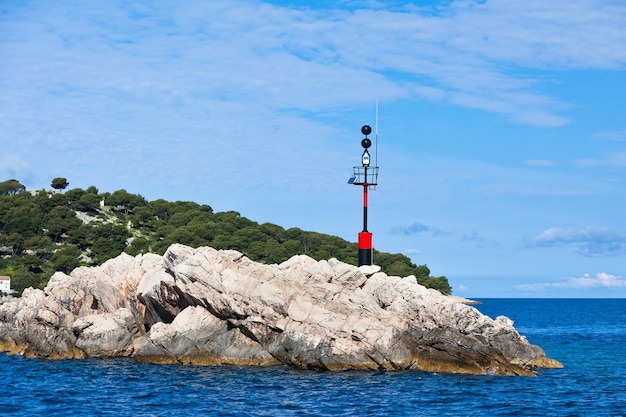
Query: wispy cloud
x,y
95,79
473,237
247,105
588,241
610,159
416,228
527,31
13,167
601,280
533,178
411,251
237,55
411,229
539,163
611,135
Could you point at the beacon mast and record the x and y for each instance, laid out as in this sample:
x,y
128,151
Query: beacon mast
x,y
366,176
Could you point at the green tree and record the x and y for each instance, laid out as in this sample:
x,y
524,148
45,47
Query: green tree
x,y
292,247
41,244
59,183
11,187
106,241
183,235
439,283
274,231
40,234
422,272
125,201
138,246
144,217
60,221
275,252
66,259
399,269
74,195
22,278
78,236
104,249
160,209
23,218
46,201
33,263
88,202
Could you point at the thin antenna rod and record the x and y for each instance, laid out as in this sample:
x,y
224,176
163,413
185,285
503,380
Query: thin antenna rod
x,y
376,131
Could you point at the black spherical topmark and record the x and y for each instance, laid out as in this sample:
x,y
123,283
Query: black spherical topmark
x,y
366,130
366,143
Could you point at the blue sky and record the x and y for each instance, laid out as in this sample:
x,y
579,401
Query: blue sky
x,y
501,129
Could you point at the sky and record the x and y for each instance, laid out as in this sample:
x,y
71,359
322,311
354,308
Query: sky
x,y
499,126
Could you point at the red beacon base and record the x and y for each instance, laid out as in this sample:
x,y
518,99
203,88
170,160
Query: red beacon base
x,y
365,248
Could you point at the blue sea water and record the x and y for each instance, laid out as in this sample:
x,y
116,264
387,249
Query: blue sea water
x,y
587,336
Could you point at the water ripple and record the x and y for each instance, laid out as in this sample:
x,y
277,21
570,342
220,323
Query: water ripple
x,y
592,382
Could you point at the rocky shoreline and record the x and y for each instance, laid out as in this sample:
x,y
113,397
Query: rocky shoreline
x,y
208,307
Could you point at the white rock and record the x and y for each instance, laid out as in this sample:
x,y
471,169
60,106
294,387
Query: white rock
x,y
212,307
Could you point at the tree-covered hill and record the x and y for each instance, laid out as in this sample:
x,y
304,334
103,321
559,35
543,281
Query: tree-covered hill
x,y
46,231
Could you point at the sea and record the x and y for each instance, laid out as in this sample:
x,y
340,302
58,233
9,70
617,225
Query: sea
x,y
588,336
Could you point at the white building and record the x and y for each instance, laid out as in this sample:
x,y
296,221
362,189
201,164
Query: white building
x,y
5,284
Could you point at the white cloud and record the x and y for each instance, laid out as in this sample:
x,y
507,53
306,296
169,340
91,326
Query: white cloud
x,y
246,102
601,280
588,241
536,33
288,58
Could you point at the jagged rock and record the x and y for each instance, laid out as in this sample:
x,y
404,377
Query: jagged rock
x,y
210,307
39,327
196,336
109,334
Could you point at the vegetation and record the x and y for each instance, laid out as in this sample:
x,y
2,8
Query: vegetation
x,y
46,231
59,183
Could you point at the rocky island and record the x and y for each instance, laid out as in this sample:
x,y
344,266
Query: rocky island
x,y
215,307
